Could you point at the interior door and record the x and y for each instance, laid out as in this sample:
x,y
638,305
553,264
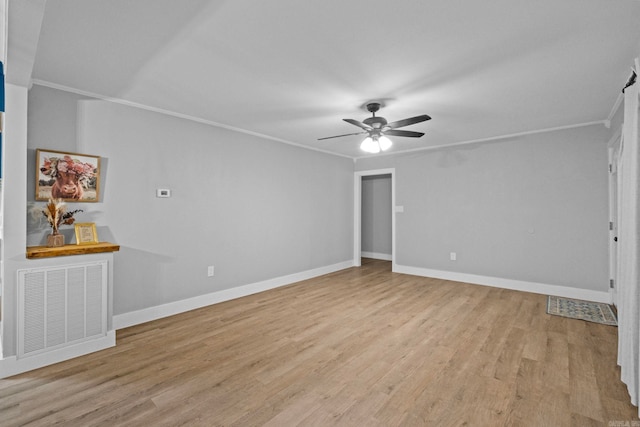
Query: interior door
x,y
613,221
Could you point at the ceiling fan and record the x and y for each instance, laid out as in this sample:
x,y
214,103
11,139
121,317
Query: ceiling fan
x,y
377,129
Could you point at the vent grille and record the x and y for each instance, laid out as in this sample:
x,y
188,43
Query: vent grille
x,y
60,306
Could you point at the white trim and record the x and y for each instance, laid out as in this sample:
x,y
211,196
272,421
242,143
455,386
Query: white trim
x,y
125,320
121,101
517,285
377,255
613,148
357,213
615,138
615,107
179,115
12,365
488,139
619,99
4,15
357,219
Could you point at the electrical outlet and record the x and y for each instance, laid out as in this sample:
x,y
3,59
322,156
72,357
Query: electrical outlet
x,y
210,271
453,256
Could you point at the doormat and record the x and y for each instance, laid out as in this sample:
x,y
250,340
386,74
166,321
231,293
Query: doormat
x,y
584,310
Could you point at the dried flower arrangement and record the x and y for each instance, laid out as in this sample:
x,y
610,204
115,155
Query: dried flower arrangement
x,y
56,214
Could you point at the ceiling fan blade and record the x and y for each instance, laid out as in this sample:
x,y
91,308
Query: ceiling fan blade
x,y
409,121
407,133
338,136
359,124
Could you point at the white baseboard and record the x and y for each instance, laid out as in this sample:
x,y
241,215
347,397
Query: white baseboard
x,y
12,365
517,285
125,320
376,255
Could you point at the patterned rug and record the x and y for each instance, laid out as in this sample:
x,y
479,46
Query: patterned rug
x,y
584,310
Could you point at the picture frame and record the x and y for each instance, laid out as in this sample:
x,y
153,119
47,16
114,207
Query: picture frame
x,y
86,233
72,177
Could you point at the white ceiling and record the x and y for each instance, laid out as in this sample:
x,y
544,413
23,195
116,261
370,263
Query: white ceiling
x,y
291,70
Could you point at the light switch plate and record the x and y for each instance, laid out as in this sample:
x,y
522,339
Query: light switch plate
x,y
163,192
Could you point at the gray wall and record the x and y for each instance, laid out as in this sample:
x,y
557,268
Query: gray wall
x,y
52,121
376,215
532,208
253,208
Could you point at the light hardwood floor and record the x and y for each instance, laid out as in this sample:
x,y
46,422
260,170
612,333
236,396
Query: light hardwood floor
x,y
360,347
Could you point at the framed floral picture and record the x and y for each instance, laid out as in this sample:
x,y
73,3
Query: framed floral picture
x,y
71,177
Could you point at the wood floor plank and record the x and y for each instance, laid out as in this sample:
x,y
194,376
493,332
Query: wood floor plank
x,y
362,346
585,396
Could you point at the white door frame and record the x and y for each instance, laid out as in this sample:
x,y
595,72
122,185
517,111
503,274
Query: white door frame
x,y
613,150
357,213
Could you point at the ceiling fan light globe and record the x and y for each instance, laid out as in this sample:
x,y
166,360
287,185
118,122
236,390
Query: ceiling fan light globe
x,y
384,142
370,146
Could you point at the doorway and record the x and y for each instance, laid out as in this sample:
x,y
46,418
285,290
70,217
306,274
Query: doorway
x,y
376,217
376,181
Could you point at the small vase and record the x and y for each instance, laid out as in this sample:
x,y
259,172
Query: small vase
x,y
55,240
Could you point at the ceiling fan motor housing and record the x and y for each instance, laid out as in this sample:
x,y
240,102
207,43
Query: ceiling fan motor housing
x,y
375,122
373,107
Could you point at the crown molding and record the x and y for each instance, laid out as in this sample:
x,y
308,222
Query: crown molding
x,y
178,115
284,141
488,139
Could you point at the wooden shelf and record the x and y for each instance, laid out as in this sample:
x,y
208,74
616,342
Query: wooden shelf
x,y
46,252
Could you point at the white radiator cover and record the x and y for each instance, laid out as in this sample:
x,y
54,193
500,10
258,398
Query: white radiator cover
x,y
61,306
